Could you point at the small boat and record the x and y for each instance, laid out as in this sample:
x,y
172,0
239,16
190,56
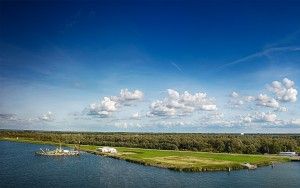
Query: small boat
x,y
57,152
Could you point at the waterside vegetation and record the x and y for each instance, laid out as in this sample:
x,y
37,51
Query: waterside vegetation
x,y
217,143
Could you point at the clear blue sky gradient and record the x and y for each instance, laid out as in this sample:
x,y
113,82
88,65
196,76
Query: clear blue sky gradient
x,y
62,56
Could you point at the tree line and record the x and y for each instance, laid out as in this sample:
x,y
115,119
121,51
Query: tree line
x,y
228,143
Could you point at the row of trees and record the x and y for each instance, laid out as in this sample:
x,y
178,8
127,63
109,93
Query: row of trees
x,y
230,143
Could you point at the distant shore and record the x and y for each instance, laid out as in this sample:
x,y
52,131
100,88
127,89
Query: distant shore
x,y
176,160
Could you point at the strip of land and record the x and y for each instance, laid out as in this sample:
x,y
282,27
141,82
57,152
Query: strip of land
x,y
177,160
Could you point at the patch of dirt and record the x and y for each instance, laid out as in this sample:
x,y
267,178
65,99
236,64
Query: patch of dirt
x,y
187,160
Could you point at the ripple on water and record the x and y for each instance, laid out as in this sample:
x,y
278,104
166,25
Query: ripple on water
x,y
19,167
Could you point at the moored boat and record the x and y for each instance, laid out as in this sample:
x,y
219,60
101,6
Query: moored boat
x,y
57,152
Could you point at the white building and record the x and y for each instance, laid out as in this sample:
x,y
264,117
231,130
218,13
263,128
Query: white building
x,y
288,153
108,150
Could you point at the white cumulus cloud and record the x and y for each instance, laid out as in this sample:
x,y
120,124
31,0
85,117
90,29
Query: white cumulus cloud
x,y
234,94
180,104
265,100
108,105
284,90
127,95
268,117
246,119
104,108
135,115
236,100
295,122
160,108
49,116
262,117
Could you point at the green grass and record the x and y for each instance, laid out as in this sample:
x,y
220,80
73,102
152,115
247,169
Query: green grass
x,y
194,161
188,160
179,160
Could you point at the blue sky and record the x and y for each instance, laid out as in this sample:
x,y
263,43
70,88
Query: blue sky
x,y
159,66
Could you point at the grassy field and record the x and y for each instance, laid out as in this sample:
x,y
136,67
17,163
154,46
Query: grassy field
x,y
180,160
189,160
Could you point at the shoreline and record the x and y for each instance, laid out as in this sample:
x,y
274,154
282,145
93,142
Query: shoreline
x,y
177,161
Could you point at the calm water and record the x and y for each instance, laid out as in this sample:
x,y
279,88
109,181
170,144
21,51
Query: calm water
x,y
19,167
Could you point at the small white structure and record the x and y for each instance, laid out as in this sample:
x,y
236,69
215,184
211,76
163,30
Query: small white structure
x,y
242,134
249,166
108,150
288,153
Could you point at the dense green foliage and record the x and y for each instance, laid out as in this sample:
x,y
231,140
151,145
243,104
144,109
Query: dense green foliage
x,y
228,143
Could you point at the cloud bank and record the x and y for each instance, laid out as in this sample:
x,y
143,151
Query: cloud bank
x,y
185,109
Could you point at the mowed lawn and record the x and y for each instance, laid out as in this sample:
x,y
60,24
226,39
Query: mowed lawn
x,y
190,160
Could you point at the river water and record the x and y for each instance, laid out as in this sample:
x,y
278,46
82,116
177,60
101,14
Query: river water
x,y
19,167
